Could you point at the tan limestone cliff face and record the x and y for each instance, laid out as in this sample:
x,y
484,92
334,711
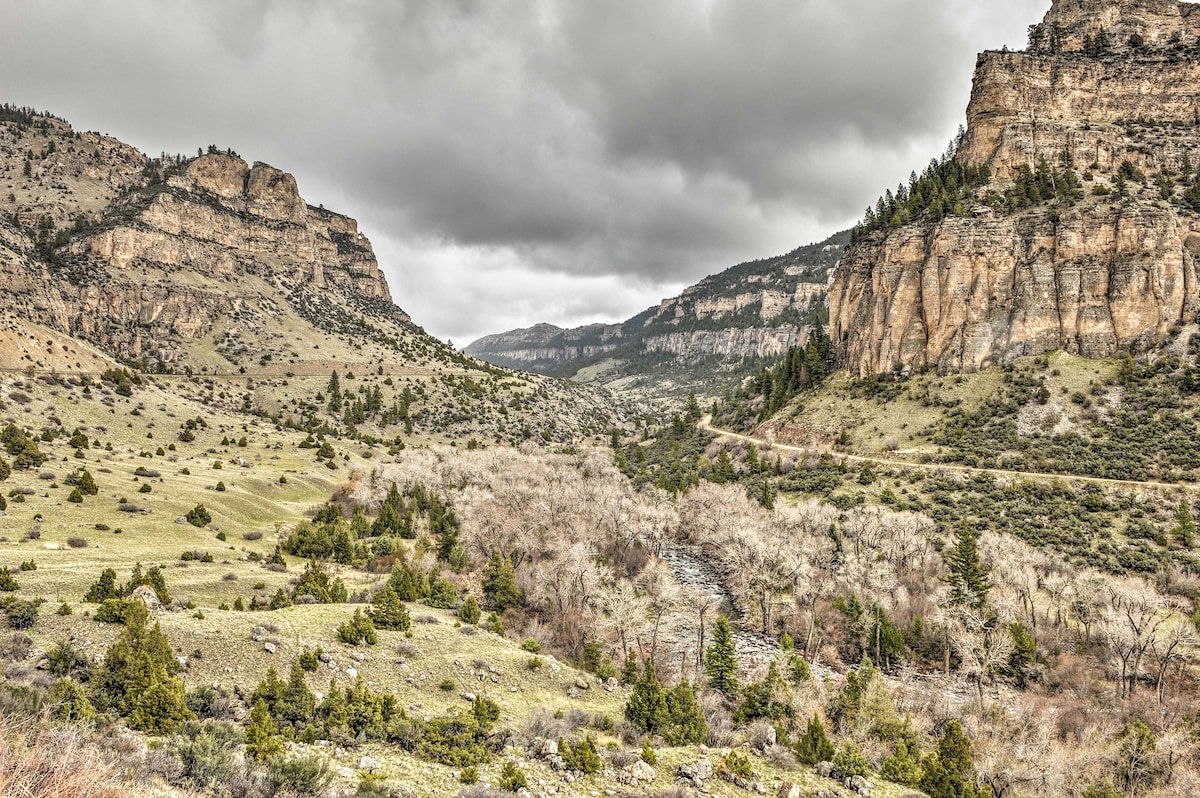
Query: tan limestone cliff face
x,y
220,245
1024,107
1155,20
1107,275
972,293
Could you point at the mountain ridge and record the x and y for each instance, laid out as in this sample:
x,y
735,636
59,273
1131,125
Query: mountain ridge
x,y
743,314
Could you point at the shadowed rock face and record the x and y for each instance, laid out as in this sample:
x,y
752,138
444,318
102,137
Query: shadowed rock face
x,y
1107,274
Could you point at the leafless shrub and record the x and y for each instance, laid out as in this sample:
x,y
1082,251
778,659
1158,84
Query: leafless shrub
x,y
427,619
57,761
252,536
780,757
16,671
305,599
622,757
674,792
148,473
230,577
47,475
406,650
163,763
479,791
20,398
24,491
627,733
546,726
77,542
130,507
277,567
760,734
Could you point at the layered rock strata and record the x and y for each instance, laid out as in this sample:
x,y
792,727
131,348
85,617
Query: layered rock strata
x,y
1116,271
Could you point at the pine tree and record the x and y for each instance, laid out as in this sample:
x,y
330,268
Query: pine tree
x,y
104,588
335,393
1185,525
968,579
720,659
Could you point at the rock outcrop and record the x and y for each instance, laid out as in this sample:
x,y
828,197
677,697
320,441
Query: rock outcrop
x,y
149,255
1115,270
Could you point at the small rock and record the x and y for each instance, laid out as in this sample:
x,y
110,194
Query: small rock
x,y
859,785
325,656
269,648
367,763
825,769
345,772
573,692
582,683
789,789
352,673
467,697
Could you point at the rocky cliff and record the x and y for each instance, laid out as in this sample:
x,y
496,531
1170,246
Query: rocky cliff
x,y
146,257
1107,90
750,311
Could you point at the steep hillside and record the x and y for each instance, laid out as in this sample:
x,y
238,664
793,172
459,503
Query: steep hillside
x,y
209,266
720,326
1065,217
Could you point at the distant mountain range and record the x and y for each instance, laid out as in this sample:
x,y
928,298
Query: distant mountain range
x,y
701,340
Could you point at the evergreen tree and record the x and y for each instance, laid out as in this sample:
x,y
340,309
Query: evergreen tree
x,y
647,705
138,676
388,612
335,393
262,741
104,588
969,584
685,719
69,702
469,611
500,591
759,699
720,659
297,705
1185,525
406,582
901,767
814,745
948,771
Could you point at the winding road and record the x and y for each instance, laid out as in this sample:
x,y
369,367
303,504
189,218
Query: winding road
x,y
705,423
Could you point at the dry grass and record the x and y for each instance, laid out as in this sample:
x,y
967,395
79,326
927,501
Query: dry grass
x,y
38,761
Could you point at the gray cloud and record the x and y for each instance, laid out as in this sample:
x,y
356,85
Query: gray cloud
x,y
525,160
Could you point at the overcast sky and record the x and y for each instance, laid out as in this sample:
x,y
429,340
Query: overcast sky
x,y
516,161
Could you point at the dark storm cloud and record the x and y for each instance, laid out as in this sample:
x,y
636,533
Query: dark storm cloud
x,y
526,160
